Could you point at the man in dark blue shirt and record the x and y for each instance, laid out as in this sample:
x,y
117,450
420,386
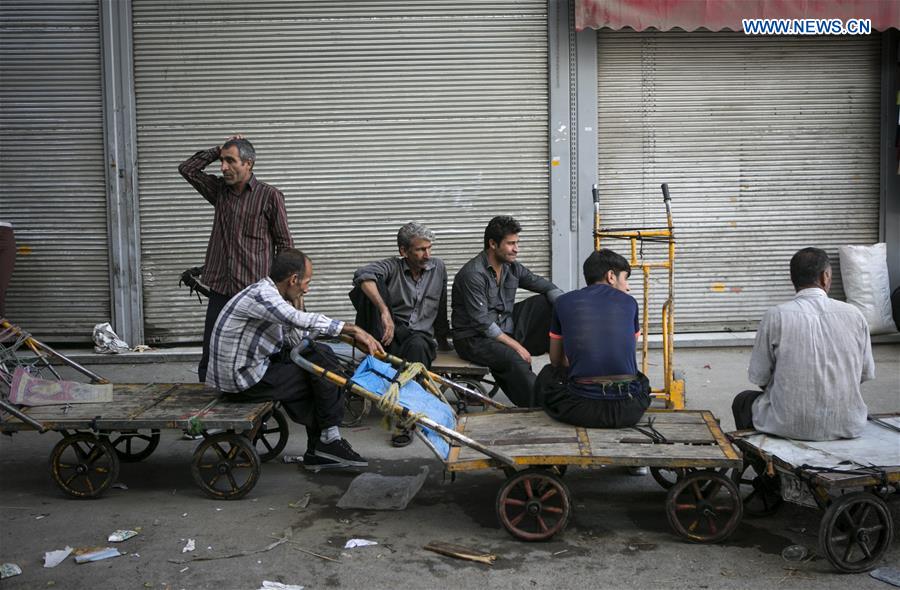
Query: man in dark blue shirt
x,y
592,379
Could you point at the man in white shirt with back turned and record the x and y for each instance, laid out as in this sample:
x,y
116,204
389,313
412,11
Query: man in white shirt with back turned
x,y
810,356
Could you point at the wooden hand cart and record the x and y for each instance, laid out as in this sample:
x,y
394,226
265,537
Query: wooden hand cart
x,y
850,480
534,451
236,437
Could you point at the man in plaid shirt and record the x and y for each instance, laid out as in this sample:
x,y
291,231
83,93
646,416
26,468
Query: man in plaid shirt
x,y
250,357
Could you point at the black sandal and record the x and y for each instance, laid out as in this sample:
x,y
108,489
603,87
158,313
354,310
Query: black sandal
x,y
402,438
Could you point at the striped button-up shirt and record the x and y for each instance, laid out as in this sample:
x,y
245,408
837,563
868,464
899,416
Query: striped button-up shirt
x,y
249,228
255,324
810,355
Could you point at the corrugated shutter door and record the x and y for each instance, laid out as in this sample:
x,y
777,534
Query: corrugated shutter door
x,y
51,166
365,114
769,145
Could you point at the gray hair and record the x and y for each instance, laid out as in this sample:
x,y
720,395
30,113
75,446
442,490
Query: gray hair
x,y
411,231
244,147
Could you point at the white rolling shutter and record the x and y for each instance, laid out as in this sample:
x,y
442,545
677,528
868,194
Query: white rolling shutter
x,y
365,114
51,166
769,144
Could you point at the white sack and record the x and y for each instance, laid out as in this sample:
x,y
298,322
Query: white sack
x,y
865,275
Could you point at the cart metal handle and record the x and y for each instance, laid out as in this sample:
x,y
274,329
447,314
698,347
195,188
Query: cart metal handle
x,y
398,362
449,433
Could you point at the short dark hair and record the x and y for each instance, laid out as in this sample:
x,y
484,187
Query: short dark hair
x,y
601,262
288,262
500,227
244,147
806,266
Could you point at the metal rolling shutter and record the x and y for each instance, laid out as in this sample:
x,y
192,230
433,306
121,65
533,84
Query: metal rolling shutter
x,y
769,144
51,166
365,114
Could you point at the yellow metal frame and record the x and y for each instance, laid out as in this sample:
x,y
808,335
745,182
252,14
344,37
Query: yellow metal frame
x,y
672,392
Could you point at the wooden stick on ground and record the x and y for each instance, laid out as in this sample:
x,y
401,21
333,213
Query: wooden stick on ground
x,y
461,552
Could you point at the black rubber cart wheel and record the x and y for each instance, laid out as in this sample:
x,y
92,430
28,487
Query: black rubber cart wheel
x,y
272,436
356,409
83,465
856,531
704,507
225,466
462,402
667,477
132,446
760,493
534,505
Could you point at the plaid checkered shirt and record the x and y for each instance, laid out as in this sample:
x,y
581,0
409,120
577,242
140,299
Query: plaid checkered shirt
x,y
254,325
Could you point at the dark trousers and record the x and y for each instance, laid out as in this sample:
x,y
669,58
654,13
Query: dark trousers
x,y
742,409
531,326
7,263
313,401
551,388
214,307
412,345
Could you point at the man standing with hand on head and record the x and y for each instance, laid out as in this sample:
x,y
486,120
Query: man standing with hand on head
x,y
249,226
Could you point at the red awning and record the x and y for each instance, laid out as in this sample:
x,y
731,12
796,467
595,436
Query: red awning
x,y
716,15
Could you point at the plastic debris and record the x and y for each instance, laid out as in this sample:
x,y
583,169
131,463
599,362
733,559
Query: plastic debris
x,y
794,552
302,503
292,458
267,585
371,491
358,543
121,535
184,569
460,552
8,570
85,555
189,546
54,558
40,516
888,574
119,486
106,341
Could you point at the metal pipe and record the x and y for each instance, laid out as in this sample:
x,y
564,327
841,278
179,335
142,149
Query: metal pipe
x,y
399,411
37,347
6,407
397,362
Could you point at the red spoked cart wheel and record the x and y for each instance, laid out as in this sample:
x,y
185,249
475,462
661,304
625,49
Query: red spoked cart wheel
x,y
704,507
534,505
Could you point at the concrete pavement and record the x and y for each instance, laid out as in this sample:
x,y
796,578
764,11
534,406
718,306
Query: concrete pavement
x,y
618,537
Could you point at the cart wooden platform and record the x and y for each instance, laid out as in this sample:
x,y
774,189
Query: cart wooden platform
x,y
534,503
850,480
97,436
534,451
